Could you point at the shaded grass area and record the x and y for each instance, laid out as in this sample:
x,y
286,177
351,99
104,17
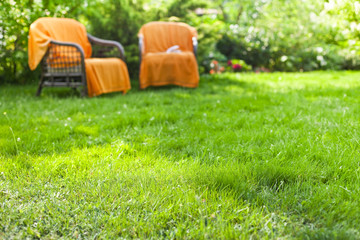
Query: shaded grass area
x,y
244,155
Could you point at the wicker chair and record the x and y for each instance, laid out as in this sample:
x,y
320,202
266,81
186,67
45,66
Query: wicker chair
x,y
69,71
63,64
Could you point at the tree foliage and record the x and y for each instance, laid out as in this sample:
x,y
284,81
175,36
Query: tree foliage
x,y
118,20
276,34
292,36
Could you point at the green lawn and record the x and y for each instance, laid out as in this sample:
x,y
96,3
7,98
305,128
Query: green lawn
x,y
246,155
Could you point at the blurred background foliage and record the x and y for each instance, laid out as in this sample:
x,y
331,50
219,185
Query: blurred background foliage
x,y
272,35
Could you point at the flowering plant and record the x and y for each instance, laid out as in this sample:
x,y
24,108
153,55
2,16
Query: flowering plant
x,y
237,65
261,70
215,67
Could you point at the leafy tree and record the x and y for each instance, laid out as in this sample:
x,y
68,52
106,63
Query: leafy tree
x,y
346,15
286,36
183,9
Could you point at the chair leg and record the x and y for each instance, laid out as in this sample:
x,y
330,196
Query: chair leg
x,y
75,90
83,92
38,92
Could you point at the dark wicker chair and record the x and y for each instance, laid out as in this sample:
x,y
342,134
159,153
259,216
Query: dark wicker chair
x,y
64,63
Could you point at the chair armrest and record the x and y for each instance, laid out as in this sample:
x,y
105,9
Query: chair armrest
x,y
141,44
103,42
195,45
68,51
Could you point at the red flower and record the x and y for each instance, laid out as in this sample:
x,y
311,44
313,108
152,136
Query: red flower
x,y
212,71
237,66
229,63
215,62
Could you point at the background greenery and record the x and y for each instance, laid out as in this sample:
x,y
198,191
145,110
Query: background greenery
x,y
270,35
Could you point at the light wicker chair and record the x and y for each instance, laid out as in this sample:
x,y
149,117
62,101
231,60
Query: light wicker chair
x,y
156,39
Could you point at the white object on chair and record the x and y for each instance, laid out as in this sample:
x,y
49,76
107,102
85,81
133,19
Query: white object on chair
x,y
173,49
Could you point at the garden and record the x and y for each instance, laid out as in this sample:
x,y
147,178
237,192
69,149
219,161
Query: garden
x,y
266,147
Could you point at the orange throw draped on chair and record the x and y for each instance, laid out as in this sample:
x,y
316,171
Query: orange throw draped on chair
x,y
115,72
104,75
159,67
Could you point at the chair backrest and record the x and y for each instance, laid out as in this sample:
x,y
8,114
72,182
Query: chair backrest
x,y
60,29
160,36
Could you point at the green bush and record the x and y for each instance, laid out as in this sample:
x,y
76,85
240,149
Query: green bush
x,y
296,36
118,20
16,18
238,65
209,33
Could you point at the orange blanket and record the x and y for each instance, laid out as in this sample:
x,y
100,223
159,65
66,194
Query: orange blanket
x,y
106,69
159,67
103,75
61,29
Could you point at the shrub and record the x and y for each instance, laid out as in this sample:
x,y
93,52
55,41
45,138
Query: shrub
x,y
118,20
16,18
295,36
238,65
